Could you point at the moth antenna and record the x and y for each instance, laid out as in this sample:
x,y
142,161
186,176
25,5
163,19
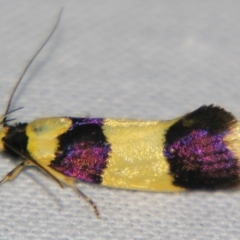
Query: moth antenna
x,y
4,119
27,67
10,120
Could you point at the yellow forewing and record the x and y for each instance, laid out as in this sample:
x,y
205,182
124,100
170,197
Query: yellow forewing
x,y
42,137
136,159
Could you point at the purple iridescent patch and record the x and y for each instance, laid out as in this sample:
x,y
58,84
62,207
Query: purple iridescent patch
x,y
201,160
83,151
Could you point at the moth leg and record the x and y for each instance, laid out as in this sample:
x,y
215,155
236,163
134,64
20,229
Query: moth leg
x,y
58,177
14,173
87,199
30,162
